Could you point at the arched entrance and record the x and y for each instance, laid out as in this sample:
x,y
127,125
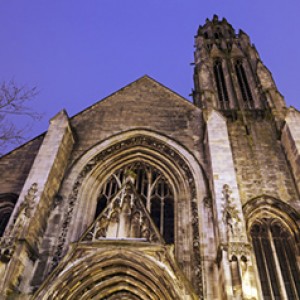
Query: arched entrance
x,y
110,271
180,170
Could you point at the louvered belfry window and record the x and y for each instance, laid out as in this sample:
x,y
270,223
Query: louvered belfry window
x,y
275,253
221,85
244,85
154,190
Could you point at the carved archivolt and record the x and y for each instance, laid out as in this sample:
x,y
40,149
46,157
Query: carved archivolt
x,y
161,148
103,272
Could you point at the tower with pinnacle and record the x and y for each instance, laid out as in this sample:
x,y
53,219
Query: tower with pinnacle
x,y
145,195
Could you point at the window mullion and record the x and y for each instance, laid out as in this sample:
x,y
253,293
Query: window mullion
x,y
162,212
154,190
149,191
266,267
277,266
291,277
294,275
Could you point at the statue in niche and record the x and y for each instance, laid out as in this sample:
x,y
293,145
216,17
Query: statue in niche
x,y
135,225
145,229
101,227
114,217
231,216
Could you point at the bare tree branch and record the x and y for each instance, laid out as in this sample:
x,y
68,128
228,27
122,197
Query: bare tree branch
x,y
13,104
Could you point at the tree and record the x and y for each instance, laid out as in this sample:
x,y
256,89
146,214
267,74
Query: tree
x,y
13,107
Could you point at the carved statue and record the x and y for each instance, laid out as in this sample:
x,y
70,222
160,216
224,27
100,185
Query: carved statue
x,y
101,227
231,216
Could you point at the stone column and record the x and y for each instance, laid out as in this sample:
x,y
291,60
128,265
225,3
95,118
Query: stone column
x,y
29,220
233,247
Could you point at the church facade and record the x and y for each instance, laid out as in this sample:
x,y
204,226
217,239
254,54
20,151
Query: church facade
x,y
145,195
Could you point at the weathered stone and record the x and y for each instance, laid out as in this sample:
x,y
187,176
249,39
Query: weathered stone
x,y
219,176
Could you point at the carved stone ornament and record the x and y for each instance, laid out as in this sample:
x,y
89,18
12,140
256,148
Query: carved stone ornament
x,y
156,145
207,202
8,241
27,205
126,218
239,249
231,216
7,247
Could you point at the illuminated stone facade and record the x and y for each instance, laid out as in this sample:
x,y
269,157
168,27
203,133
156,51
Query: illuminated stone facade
x,y
145,195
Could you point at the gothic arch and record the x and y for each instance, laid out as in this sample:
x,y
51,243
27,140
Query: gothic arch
x,y
109,271
266,206
273,228
178,165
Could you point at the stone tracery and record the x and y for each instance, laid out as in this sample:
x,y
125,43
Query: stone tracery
x,y
153,189
274,235
151,144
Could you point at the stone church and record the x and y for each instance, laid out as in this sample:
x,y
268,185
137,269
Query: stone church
x,y
147,196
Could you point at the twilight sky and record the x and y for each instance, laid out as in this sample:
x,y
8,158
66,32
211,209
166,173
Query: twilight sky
x,y
79,51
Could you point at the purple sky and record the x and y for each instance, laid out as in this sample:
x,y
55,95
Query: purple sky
x,y
78,52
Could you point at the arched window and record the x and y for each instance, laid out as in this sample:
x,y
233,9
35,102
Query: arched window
x,y
7,204
154,190
243,84
221,85
275,253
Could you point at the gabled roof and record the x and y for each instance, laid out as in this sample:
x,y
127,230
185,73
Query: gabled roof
x,y
138,84
144,87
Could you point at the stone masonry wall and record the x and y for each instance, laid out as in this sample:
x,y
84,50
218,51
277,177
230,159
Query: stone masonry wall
x,y
260,162
15,166
143,104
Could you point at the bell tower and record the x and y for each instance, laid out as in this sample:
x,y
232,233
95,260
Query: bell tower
x,y
229,74
145,195
250,139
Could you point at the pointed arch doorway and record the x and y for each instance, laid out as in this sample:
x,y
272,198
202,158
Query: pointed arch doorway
x,y
143,152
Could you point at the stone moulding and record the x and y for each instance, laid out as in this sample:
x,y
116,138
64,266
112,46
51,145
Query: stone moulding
x,y
158,146
101,268
16,230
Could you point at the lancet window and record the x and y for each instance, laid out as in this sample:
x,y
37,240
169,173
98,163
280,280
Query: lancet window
x,y
275,253
221,85
243,84
154,190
